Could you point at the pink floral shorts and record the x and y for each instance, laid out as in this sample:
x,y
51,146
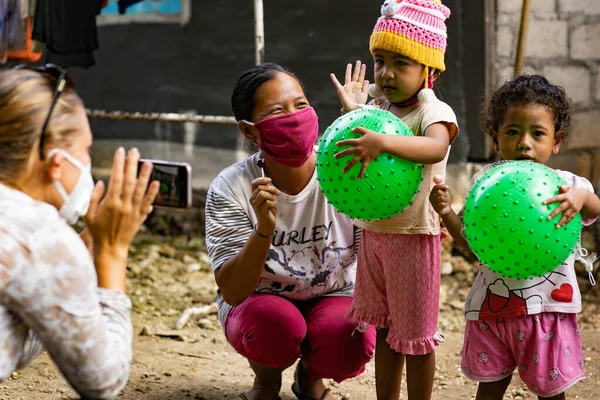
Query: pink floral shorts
x,y
546,349
398,287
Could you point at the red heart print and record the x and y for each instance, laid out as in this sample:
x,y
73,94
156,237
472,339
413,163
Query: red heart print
x,y
498,303
563,294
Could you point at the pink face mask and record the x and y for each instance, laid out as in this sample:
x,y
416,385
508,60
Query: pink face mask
x,y
289,139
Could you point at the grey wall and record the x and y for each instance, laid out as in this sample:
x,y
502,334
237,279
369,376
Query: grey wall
x,y
167,68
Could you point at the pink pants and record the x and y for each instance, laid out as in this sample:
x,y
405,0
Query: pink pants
x,y
274,331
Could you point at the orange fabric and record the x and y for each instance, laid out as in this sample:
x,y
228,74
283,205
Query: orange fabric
x,y
26,54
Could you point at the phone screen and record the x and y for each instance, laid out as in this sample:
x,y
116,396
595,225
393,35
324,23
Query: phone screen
x,y
174,183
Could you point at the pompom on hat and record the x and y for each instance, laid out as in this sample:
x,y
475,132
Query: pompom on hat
x,y
413,28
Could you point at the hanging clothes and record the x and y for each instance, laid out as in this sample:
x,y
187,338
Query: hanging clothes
x,y
13,32
68,29
101,4
27,8
29,54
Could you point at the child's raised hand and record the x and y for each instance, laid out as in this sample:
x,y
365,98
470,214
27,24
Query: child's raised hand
x,y
571,202
440,197
365,149
355,90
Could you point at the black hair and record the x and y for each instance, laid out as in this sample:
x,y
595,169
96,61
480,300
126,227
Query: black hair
x,y
528,89
243,97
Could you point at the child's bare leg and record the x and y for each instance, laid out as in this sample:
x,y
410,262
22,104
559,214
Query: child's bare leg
x,y
420,371
267,382
388,368
493,390
561,396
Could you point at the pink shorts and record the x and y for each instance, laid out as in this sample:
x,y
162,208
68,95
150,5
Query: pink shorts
x,y
398,287
546,348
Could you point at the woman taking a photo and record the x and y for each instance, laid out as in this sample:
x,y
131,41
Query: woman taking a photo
x,y
56,293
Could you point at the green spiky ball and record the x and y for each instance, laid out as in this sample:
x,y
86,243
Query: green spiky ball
x,y
507,225
389,184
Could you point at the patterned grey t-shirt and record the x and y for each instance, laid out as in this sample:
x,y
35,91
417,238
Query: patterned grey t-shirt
x,y
314,248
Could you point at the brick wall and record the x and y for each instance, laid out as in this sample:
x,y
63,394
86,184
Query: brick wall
x,y
563,44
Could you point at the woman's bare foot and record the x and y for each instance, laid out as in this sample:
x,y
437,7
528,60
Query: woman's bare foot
x,y
260,393
311,389
267,383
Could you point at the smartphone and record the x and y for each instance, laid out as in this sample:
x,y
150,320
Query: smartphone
x,y
175,179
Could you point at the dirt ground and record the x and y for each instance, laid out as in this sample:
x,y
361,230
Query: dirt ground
x,y
166,276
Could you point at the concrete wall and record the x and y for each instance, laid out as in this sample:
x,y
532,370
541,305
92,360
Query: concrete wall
x,y
563,44
166,68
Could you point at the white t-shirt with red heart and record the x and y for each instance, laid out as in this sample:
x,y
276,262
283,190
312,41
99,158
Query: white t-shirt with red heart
x,y
494,296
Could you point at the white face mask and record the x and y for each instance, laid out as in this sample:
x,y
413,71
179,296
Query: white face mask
x,y
76,203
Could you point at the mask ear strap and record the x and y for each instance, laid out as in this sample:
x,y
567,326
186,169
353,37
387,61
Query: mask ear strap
x,y
250,124
52,153
61,191
69,157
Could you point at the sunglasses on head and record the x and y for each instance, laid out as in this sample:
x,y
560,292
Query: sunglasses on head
x,y
54,73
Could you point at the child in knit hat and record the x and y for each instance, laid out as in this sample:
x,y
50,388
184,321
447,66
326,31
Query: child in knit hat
x,y
398,273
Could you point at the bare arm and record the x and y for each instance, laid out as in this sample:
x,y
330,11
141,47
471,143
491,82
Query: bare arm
x,y
114,219
428,149
237,278
454,225
591,206
237,250
440,200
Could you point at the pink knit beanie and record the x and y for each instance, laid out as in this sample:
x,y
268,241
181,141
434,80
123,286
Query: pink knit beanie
x,y
413,28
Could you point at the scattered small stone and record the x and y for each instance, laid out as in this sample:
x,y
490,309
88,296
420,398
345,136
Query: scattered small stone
x,y
171,335
194,267
447,268
146,331
456,304
205,324
187,259
169,251
204,257
196,243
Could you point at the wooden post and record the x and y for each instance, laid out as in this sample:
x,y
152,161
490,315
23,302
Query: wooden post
x,y
518,70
